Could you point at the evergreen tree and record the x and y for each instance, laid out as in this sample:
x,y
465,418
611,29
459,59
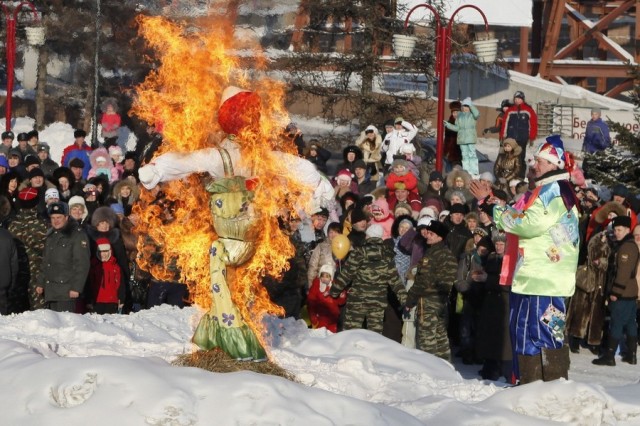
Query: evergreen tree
x,y
618,164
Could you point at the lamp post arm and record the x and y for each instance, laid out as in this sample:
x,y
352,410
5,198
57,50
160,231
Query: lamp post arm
x,y
486,23
428,6
29,5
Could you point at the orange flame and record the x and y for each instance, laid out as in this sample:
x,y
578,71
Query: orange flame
x,y
184,94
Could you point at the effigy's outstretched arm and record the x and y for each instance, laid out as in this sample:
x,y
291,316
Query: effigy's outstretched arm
x,y
173,166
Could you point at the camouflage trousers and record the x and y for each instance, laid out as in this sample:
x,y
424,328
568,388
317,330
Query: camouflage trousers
x,y
358,311
431,328
36,301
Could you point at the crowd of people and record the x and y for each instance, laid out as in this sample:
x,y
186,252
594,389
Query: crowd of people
x,y
481,263
486,263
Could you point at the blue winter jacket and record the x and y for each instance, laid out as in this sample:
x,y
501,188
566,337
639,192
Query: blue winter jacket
x,y
596,137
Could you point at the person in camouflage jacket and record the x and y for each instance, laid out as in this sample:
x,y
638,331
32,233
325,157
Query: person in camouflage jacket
x,y
30,229
434,279
369,270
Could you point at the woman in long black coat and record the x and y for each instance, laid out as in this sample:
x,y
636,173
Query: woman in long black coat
x,y
493,342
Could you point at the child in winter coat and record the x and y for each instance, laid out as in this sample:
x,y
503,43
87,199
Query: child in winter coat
x,y
115,152
105,278
465,125
101,164
382,216
507,166
110,122
401,173
370,142
324,310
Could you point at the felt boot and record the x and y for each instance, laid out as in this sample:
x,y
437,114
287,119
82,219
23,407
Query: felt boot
x,y
555,363
530,368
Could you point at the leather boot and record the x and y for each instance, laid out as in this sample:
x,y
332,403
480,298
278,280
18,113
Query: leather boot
x,y
608,358
555,363
632,348
530,367
574,344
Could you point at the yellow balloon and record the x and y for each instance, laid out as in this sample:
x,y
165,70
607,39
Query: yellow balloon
x,y
340,246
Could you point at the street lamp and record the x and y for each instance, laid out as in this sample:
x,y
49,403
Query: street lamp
x,y
11,18
443,58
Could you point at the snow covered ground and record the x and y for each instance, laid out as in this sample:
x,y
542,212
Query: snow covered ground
x,y
61,368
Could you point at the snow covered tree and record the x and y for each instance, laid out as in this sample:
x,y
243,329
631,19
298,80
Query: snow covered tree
x,y
619,164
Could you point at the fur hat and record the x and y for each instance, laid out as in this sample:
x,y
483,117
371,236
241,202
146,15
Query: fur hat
x,y
51,193
424,222
374,231
552,150
58,208
514,146
487,243
429,212
327,268
35,172
621,221
23,137
77,200
458,208
104,214
479,231
28,198
407,148
7,135
499,237
401,205
30,160
371,128
357,215
79,133
455,106
438,228
609,207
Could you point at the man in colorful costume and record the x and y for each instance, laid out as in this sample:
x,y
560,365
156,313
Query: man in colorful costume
x,y
547,256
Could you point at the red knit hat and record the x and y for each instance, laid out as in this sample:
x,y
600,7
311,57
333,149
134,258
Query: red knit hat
x,y
103,246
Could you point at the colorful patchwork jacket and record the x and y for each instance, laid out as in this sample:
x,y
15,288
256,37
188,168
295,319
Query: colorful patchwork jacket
x,y
547,230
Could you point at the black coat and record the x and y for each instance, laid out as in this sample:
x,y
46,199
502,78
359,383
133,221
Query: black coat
x,y
493,339
8,268
65,262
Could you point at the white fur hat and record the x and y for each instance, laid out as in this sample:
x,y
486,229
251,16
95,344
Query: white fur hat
x,y
428,212
424,221
407,148
327,268
374,231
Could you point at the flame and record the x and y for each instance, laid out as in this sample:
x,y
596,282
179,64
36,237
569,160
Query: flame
x,y
184,94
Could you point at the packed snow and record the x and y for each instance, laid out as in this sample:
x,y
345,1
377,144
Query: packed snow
x,y
63,368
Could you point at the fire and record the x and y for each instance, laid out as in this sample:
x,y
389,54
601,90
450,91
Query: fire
x,y
184,94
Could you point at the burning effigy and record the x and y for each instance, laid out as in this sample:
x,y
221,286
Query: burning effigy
x,y
227,175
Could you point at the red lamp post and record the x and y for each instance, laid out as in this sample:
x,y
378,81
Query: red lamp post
x,y
11,18
443,59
